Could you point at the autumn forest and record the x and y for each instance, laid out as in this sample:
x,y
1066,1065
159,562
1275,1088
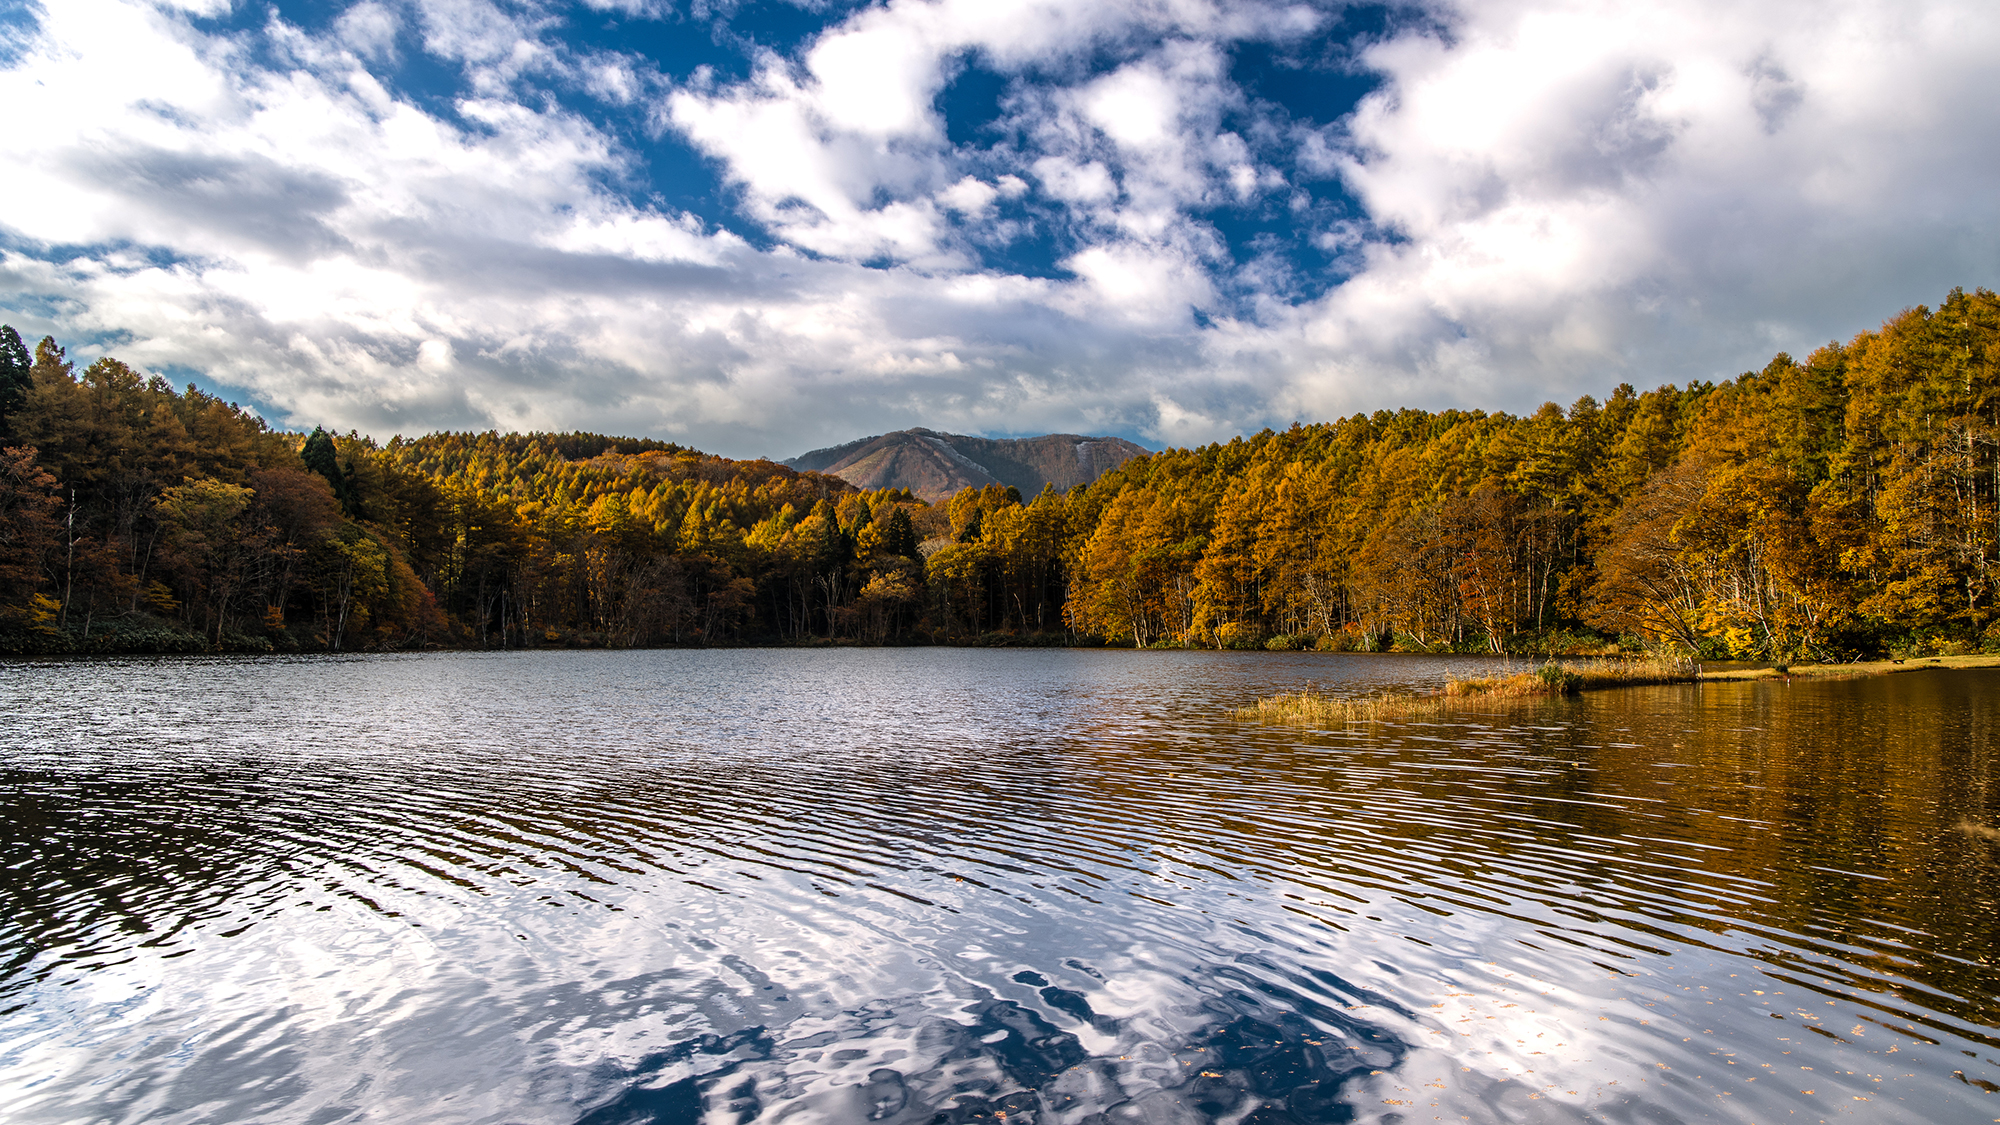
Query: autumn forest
x,y
1842,504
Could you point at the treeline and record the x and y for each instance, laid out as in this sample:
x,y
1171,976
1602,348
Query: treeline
x,y
133,517
1845,504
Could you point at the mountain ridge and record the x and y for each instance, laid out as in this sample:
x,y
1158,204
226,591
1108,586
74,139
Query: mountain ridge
x,y
935,465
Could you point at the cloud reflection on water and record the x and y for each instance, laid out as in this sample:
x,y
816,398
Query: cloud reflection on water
x,y
543,887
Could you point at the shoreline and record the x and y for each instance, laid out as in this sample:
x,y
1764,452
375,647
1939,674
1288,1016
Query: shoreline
x,y
1855,670
1552,680
1603,670
1558,680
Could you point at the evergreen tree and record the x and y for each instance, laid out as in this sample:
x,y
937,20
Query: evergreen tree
x,y
901,537
15,365
319,456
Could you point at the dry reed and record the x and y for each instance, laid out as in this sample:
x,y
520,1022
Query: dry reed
x,y
1311,708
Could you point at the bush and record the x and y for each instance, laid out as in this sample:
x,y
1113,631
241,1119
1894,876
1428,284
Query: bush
x,y
239,642
1236,635
1558,679
142,639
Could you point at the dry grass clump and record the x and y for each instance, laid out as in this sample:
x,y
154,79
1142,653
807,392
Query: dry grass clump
x,y
1555,678
1517,686
1310,708
1636,673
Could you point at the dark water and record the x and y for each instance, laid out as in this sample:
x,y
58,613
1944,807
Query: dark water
x,y
947,886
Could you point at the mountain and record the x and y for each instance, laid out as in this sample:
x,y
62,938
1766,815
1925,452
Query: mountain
x,y
935,465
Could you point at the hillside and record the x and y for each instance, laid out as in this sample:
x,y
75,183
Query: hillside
x,y
934,465
1812,511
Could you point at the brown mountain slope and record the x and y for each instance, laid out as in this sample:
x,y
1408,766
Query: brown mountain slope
x,y
935,465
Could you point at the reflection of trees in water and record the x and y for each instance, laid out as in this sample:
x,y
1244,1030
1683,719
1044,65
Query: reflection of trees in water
x,y
1820,821
1825,819
1265,1054
98,865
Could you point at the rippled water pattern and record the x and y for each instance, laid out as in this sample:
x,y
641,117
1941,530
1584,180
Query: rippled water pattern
x,y
983,886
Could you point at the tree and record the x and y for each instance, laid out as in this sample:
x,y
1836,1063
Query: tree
x,y
879,608
16,375
210,545
1645,586
321,457
354,570
1482,534
901,536
296,509
28,531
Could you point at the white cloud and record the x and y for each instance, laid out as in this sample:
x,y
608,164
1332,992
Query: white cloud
x,y
651,9
612,80
817,146
1076,182
369,30
1136,106
1552,198
970,197
1588,193
1139,284
876,77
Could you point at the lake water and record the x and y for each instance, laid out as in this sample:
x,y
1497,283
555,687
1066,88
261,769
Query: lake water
x,y
982,886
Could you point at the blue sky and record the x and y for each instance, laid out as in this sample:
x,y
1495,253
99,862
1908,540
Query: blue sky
x,y
759,228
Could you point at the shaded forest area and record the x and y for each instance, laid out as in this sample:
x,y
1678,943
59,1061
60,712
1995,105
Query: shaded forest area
x,y
1845,504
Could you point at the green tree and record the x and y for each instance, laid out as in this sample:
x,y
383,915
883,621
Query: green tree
x,y
16,375
354,571
207,538
901,536
320,455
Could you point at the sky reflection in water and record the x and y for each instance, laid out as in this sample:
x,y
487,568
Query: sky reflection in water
x,y
946,885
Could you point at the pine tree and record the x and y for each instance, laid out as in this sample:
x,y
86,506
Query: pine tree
x,y
901,538
15,365
319,456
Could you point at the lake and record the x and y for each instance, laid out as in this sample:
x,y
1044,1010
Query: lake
x,y
950,885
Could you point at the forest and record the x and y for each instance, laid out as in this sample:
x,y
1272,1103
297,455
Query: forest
x,y
1846,504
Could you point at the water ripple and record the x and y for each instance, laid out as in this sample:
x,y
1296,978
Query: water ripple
x,y
923,886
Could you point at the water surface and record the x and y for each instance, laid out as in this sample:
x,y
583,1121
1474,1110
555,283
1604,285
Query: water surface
x,y
951,885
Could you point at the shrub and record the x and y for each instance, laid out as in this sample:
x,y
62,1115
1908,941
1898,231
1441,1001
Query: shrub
x,y
1558,679
1235,634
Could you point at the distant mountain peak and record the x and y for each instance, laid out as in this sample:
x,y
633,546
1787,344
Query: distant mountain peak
x,y
935,465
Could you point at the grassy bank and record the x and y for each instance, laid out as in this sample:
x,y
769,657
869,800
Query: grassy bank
x,y
1311,708
1551,680
1857,668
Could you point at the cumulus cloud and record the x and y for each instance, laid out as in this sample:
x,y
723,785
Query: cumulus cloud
x,y
970,197
1537,200
369,30
1582,193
